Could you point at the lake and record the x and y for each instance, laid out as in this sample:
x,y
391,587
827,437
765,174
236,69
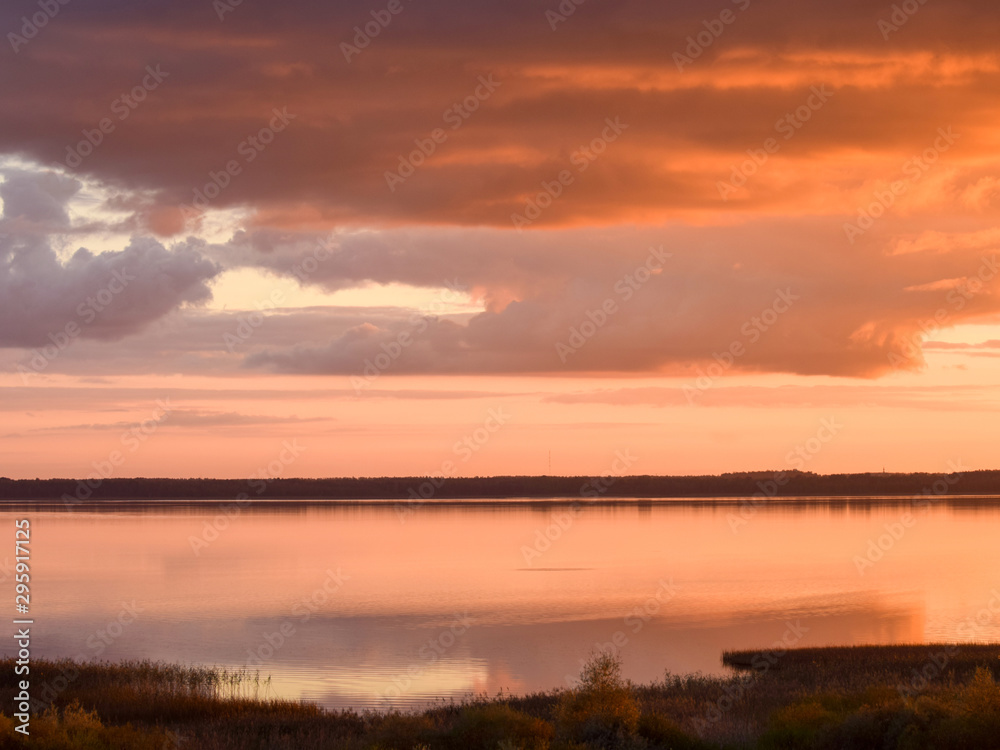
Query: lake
x,y
382,605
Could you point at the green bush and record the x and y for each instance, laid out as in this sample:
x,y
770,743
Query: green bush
x,y
399,731
966,718
493,726
981,696
603,711
661,732
797,726
77,729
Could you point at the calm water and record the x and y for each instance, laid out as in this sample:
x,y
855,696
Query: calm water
x,y
350,606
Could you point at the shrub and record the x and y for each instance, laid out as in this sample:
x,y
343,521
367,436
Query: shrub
x,y
603,711
402,731
797,726
77,728
492,726
981,695
659,731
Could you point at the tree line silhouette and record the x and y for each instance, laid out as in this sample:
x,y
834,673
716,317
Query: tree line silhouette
x,y
418,489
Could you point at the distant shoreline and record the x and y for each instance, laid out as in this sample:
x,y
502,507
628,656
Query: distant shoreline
x,y
513,502
787,487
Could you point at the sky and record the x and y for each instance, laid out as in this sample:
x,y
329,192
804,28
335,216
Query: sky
x,y
458,239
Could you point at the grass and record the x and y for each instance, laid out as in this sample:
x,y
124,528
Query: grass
x,y
885,697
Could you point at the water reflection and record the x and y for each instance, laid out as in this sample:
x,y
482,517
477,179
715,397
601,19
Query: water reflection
x,y
349,606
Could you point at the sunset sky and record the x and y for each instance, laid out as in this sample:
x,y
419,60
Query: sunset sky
x,y
407,237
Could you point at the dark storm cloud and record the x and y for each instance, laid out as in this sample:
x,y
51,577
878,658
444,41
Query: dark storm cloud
x,y
261,108
353,121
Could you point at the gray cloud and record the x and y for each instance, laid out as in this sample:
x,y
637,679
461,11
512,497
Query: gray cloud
x,y
44,300
37,197
851,315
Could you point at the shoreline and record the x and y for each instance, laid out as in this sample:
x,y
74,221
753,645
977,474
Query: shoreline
x,y
801,698
769,486
862,500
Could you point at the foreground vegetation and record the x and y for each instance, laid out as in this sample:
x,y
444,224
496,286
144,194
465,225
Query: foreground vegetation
x,y
903,697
